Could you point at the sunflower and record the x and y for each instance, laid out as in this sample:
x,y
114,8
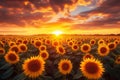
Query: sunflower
x,y
34,66
1,44
101,41
70,43
55,43
85,48
32,41
18,41
116,42
44,55
3,41
65,66
42,48
88,55
14,48
103,50
92,68
22,47
117,61
47,42
37,43
79,42
11,44
75,47
11,57
25,42
92,42
107,41
60,49
112,45
2,51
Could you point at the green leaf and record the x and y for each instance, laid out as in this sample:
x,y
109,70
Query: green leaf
x,y
47,78
77,75
7,73
108,68
101,79
6,66
19,77
2,61
72,72
40,78
108,60
57,74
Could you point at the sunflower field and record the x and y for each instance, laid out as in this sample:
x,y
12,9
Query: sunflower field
x,y
64,57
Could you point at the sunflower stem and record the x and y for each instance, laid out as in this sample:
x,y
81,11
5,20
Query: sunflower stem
x,y
113,54
65,78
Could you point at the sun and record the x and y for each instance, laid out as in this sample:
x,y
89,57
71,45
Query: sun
x,y
57,32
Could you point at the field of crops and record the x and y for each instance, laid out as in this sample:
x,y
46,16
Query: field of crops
x,y
59,57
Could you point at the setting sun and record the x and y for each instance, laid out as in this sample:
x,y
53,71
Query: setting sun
x,y
57,33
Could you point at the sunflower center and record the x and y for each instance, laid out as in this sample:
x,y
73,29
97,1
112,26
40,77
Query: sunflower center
x,y
107,41
48,42
75,47
20,41
34,65
1,51
91,67
118,60
116,42
15,49
70,43
87,56
12,57
101,41
65,66
44,55
79,42
11,44
32,41
92,42
23,48
42,48
111,46
3,41
56,43
103,50
38,43
17,43
85,47
25,42
61,49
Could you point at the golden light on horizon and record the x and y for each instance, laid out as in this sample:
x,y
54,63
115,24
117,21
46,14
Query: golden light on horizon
x,y
57,32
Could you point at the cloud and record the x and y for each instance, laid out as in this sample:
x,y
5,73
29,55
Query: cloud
x,y
111,8
12,16
22,12
37,13
85,2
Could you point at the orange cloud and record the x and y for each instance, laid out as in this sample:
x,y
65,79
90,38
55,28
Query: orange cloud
x,y
84,2
47,15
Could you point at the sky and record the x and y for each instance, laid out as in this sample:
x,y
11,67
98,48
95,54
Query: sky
x,y
69,16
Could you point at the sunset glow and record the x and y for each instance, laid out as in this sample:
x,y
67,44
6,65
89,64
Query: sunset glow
x,y
72,16
57,33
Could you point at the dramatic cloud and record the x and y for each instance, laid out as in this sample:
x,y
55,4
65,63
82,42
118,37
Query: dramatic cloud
x,y
110,11
68,14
